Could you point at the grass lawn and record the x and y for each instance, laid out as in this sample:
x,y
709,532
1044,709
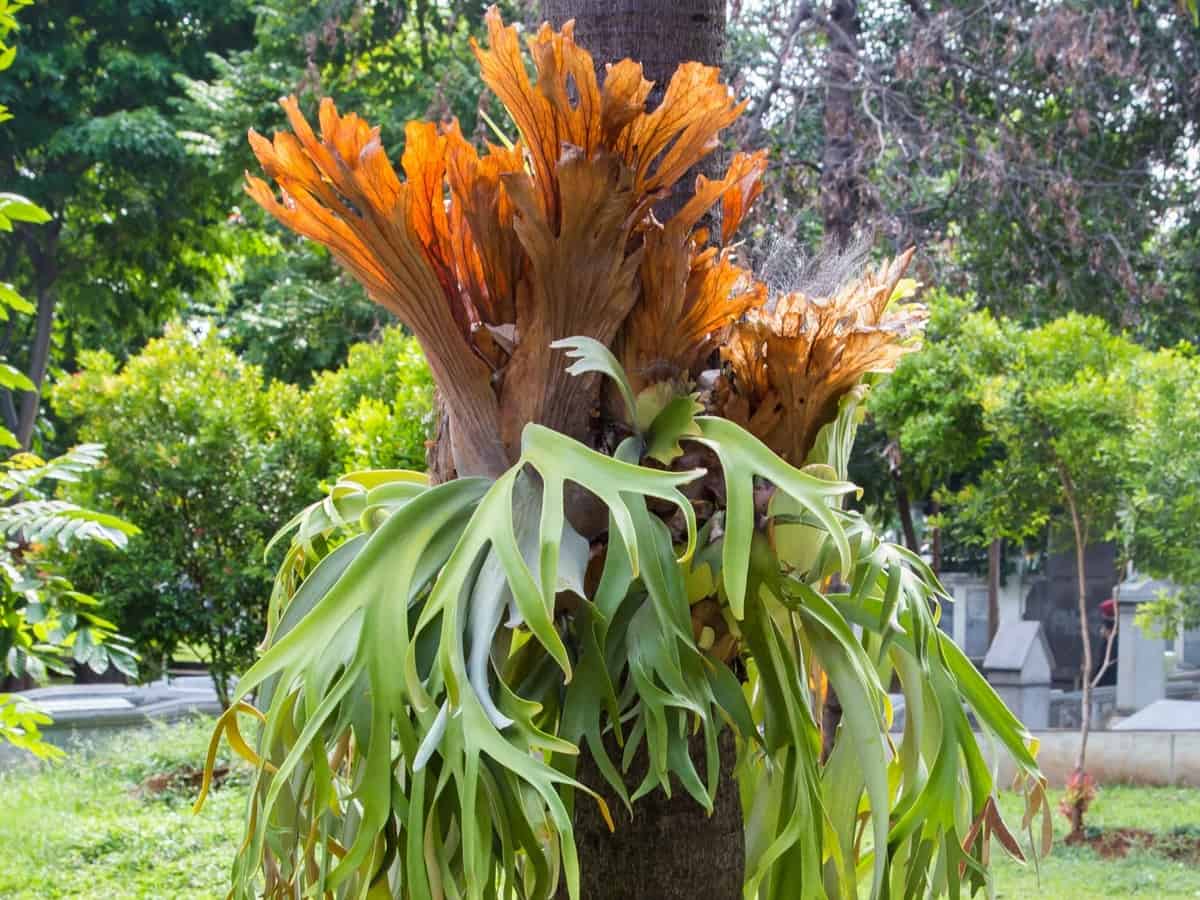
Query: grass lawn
x,y
81,828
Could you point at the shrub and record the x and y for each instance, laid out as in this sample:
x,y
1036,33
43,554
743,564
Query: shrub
x,y
209,459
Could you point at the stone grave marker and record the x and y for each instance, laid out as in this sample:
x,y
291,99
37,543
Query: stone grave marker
x,y
1141,668
1053,601
1020,665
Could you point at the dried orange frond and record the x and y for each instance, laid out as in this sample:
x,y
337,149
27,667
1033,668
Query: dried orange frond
x,y
583,280
491,258
746,174
791,363
691,295
488,252
341,190
567,107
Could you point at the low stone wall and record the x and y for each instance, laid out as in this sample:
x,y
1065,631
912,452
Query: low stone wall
x,y
1116,757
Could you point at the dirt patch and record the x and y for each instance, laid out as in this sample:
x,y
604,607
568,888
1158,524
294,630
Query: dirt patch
x,y
185,779
1182,845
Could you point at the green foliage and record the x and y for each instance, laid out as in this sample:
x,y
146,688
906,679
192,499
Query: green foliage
x,y
46,625
91,826
423,628
208,458
930,404
1159,521
1063,413
377,408
95,142
20,726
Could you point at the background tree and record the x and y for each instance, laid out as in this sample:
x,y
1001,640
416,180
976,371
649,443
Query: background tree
x,y
208,459
135,224
1042,155
931,410
45,623
1063,414
1158,522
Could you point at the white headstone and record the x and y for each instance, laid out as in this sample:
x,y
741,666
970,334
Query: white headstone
x,y
1141,666
1019,665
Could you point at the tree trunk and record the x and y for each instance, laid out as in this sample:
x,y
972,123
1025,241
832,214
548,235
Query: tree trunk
x,y
904,509
46,273
995,548
1085,714
668,849
840,193
935,541
671,848
895,460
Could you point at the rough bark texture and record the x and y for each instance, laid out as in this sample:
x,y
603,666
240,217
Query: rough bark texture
x,y
840,189
660,34
671,848
993,599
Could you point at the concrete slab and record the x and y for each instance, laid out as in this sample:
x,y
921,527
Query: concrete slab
x,y
1164,715
83,712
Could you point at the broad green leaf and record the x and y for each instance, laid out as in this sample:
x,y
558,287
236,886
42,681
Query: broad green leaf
x,y
592,356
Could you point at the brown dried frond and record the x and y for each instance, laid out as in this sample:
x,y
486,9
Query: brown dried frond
x,y
567,107
692,294
491,257
792,362
341,190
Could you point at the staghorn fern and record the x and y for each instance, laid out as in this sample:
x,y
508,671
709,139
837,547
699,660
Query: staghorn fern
x,y
432,622
630,549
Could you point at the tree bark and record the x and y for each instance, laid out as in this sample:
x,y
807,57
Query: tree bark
x,y
904,509
667,849
995,549
840,189
895,461
46,273
671,848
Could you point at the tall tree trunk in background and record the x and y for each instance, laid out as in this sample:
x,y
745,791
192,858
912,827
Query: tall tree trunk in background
x,y
670,848
45,274
895,462
995,548
935,540
840,163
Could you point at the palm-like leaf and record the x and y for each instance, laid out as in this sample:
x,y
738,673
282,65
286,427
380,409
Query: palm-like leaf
x,y
423,692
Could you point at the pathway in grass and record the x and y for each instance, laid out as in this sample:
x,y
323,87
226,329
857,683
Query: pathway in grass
x,y
97,826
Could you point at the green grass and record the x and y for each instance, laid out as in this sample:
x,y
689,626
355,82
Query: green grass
x,y
1078,873
79,828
